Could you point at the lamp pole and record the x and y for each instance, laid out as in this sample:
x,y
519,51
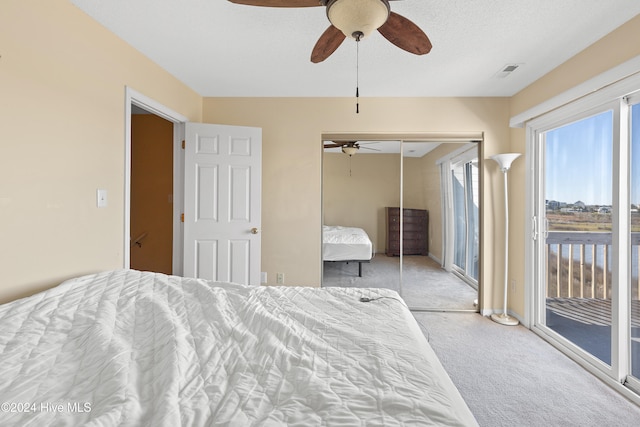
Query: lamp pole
x,y
504,161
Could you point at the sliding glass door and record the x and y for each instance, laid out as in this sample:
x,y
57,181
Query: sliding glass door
x,y
634,291
586,233
464,182
460,180
578,216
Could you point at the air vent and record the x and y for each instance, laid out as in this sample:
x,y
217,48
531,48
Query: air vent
x,y
506,70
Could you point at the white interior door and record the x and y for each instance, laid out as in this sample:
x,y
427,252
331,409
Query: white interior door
x,y
222,203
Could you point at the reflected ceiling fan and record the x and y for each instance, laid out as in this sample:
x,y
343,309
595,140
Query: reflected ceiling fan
x,y
348,147
357,19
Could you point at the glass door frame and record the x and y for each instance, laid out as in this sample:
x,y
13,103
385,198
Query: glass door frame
x,y
613,98
465,160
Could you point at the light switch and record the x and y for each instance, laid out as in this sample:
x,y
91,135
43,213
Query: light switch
x,y
101,195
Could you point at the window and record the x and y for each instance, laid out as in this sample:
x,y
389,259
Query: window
x,y
460,192
585,235
578,210
464,178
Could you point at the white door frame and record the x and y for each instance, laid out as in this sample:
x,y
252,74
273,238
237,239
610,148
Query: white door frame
x,y
133,97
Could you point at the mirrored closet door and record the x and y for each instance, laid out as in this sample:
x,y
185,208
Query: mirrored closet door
x,y
360,179
396,193
440,214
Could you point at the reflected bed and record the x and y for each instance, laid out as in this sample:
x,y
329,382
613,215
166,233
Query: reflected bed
x,y
346,244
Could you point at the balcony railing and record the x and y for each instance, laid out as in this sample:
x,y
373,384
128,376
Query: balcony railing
x,y
579,264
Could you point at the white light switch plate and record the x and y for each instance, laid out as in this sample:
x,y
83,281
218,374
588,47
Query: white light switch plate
x,y
101,196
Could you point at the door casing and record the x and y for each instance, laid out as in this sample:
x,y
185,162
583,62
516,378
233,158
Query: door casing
x,y
132,97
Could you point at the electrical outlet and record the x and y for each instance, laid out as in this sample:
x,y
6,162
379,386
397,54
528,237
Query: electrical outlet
x,y
280,278
513,286
263,277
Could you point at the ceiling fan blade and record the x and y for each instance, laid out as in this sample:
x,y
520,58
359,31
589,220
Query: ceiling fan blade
x,y
279,3
405,34
368,148
333,145
328,42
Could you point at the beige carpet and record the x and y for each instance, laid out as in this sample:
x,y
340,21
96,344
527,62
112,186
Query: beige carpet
x,y
511,377
425,285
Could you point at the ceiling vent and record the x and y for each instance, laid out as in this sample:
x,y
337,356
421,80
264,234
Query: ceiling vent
x,y
506,70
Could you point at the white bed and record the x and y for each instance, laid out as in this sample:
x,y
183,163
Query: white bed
x,y
350,244
129,348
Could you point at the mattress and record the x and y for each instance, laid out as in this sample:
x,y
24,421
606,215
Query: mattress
x,y
345,244
126,348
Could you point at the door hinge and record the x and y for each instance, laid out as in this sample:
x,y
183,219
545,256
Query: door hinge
x,y
181,217
183,144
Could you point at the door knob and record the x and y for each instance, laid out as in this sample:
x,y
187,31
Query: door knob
x,y
254,230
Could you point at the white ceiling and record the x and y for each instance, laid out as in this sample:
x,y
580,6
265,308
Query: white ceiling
x,y
223,49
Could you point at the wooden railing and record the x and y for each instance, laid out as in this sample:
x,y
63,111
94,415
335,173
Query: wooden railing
x,y
578,265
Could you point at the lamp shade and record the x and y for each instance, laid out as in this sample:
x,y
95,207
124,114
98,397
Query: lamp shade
x,y
505,160
357,16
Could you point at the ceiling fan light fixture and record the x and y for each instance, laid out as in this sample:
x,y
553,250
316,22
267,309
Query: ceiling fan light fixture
x,y
349,149
358,16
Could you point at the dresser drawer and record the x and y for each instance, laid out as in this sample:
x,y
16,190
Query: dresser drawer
x,y
415,231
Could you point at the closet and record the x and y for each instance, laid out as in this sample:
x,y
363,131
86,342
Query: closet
x,y
393,190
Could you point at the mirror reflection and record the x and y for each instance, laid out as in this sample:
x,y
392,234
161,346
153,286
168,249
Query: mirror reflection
x,y
428,250
440,211
360,179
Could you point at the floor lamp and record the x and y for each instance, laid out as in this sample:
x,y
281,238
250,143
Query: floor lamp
x,y
504,161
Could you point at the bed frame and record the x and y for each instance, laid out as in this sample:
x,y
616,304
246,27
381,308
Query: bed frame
x,y
359,261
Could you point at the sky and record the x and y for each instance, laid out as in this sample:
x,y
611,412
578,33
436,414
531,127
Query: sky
x,y
579,160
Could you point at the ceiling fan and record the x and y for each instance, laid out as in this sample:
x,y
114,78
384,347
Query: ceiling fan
x,y
357,19
348,147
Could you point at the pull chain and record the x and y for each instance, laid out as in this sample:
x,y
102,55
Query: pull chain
x,y
357,35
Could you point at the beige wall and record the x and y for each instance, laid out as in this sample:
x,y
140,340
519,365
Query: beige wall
x,y
292,165
62,106
356,191
610,51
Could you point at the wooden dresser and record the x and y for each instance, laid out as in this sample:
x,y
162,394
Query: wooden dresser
x,y
415,231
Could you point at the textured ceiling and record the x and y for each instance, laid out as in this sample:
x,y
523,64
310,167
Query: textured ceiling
x,y
223,49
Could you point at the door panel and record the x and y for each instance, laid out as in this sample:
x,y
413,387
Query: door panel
x,y
222,203
579,209
206,265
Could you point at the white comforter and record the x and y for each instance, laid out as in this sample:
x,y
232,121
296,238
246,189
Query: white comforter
x,y
131,348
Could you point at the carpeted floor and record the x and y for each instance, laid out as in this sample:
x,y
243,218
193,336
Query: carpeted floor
x,y
425,285
511,377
